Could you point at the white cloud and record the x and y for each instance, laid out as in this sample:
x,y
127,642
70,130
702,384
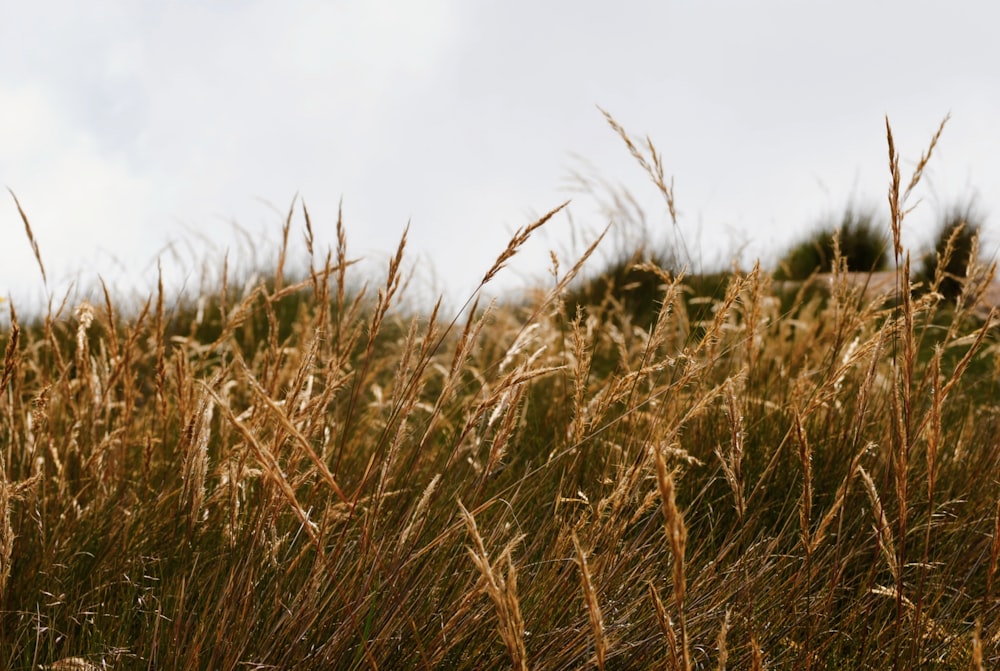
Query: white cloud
x,y
80,201
125,119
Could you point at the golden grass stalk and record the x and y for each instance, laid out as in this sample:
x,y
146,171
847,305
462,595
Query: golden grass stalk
x,y
10,357
720,642
977,647
502,591
31,236
285,423
925,157
754,301
194,452
516,242
666,626
817,536
668,308
653,166
805,501
708,345
420,511
677,536
593,607
6,530
509,409
732,462
463,349
757,659
10,492
272,468
85,317
882,529
903,437
582,358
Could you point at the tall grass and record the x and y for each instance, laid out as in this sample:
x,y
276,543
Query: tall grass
x,y
300,475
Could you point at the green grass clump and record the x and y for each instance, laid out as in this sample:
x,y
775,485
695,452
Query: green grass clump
x,y
301,475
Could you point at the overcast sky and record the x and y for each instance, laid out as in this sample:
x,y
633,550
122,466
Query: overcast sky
x,y
125,126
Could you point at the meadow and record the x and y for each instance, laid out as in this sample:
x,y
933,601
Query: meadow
x,y
634,468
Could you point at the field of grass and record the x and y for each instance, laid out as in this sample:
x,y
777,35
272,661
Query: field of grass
x,y
294,473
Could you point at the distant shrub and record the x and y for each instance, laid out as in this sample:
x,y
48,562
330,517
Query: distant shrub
x,y
635,284
956,245
863,244
623,283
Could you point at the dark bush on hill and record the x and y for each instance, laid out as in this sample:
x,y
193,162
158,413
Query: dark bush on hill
x,y
863,243
956,245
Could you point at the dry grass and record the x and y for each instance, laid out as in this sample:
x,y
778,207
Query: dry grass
x,y
298,474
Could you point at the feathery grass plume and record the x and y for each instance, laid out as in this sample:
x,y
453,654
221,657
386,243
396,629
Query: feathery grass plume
x,y
384,301
509,408
85,317
194,452
903,437
883,531
502,591
31,236
160,343
279,271
977,338
420,510
977,646
271,468
709,343
653,166
670,303
925,157
517,241
819,535
732,462
720,643
753,314
277,412
6,529
666,626
805,500
593,607
581,357
676,533
11,355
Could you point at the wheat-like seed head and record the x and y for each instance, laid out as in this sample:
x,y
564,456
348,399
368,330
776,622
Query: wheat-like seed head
x,y
593,607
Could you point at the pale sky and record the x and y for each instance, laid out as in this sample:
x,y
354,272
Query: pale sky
x,y
125,126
